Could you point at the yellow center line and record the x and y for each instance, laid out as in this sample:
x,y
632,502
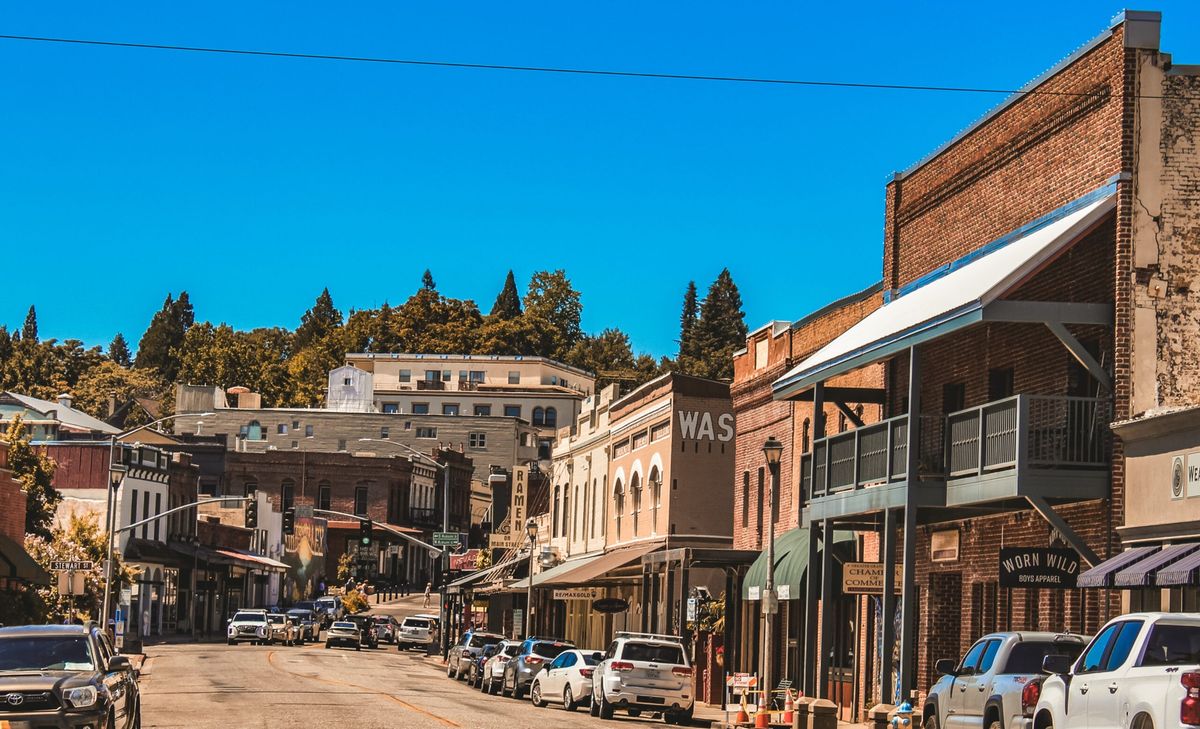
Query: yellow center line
x,y
336,682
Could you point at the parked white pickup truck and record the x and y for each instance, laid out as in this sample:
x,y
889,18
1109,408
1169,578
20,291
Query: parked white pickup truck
x,y
984,689
1142,671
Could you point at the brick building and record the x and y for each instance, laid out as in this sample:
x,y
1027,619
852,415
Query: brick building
x,y
17,569
772,350
1037,283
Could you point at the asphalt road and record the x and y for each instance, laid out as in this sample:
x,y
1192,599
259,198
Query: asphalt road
x,y
216,685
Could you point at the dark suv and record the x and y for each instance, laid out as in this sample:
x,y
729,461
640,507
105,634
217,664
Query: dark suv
x,y
535,654
65,676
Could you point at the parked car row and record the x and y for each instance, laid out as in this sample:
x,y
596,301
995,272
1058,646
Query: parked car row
x,y
1141,671
640,672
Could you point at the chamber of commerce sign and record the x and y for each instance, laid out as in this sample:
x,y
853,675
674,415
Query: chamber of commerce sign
x,y
1038,567
866,578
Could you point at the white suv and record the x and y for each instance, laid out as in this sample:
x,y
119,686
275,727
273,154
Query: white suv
x,y
248,625
416,631
644,672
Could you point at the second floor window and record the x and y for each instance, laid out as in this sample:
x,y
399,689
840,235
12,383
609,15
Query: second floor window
x,y
450,408
512,411
484,410
360,501
427,433
325,496
288,494
477,440
420,408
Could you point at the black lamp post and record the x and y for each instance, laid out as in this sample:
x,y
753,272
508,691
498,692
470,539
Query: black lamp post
x,y
773,452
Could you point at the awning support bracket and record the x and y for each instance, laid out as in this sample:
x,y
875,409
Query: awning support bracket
x,y
1048,513
850,414
1079,352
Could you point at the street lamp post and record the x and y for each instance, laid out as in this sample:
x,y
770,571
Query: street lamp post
x,y
531,528
773,451
116,474
443,613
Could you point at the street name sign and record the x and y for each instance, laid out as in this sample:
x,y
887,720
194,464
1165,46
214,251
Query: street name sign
x,y
71,565
447,539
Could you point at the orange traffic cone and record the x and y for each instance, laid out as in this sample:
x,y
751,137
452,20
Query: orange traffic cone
x,y
789,708
762,719
742,717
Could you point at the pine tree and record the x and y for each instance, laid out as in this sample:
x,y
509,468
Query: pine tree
x,y
720,330
159,348
427,281
687,322
318,322
508,302
118,350
29,332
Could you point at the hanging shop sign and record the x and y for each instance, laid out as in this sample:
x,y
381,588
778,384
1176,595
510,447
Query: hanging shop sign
x,y
512,532
866,578
1054,568
610,605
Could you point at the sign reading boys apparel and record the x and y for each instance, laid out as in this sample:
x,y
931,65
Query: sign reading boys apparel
x,y
1038,567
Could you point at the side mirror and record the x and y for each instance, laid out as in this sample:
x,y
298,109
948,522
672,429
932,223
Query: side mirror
x,y
1058,664
119,663
946,667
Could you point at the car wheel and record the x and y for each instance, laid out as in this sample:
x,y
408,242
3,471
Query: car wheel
x,y
358,647
535,695
594,707
635,713
327,645
517,693
111,723
568,699
931,722
606,709
231,641
449,671
683,718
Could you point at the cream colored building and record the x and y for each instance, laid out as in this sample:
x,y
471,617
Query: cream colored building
x,y
545,393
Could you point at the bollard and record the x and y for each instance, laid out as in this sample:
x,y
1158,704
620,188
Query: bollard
x,y
801,718
822,714
879,715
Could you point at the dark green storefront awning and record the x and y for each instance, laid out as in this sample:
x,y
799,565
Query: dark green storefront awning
x,y
791,562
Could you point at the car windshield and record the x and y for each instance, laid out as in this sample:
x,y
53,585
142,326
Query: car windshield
x,y
653,652
1026,657
306,606
380,619
1172,645
479,641
46,653
327,602
512,649
276,618
302,614
249,618
592,659
415,623
548,650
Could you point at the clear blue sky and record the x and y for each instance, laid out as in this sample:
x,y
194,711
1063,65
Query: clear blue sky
x,y
254,182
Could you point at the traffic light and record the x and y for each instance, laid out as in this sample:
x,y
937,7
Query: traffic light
x,y
364,531
289,521
252,512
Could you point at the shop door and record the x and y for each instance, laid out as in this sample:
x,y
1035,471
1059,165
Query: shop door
x,y
840,689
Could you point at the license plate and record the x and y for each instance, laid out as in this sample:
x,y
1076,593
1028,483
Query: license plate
x,y
5,724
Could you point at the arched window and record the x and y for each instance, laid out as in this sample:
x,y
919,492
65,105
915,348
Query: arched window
x,y
745,499
604,490
805,436
618,505
551,418
655,497
574,521
567,516
635,490
539,416
554,515
595,508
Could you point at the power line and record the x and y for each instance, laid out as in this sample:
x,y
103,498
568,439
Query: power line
x,y
551,69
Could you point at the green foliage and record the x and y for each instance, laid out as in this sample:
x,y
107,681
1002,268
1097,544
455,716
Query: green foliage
x,y
483,560
355,602
35,472
710,616
427,281
107,379
687,322
553,308
81,539
318,323
431,323
160,345
118,351
29,332
508,302
345,567
610,356
717,334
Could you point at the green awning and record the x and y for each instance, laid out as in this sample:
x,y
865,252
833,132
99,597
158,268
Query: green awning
x,y
791,562
15,563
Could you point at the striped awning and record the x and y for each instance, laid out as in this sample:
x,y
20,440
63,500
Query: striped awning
x,y
1102,574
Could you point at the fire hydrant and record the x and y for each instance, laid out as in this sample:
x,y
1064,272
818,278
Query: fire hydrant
x,y
903,717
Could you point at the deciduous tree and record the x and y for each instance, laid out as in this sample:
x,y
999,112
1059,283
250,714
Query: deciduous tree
x,y
35,472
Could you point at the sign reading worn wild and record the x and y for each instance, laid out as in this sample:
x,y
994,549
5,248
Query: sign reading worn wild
x,y
700,426
1038,567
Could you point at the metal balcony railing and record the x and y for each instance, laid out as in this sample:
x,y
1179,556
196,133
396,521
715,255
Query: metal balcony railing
x,y
1023,431
424,516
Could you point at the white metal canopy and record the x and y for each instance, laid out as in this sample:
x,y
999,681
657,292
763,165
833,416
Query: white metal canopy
x,y
950,301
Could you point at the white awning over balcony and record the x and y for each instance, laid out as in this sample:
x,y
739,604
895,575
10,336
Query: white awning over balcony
x,y
954,297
